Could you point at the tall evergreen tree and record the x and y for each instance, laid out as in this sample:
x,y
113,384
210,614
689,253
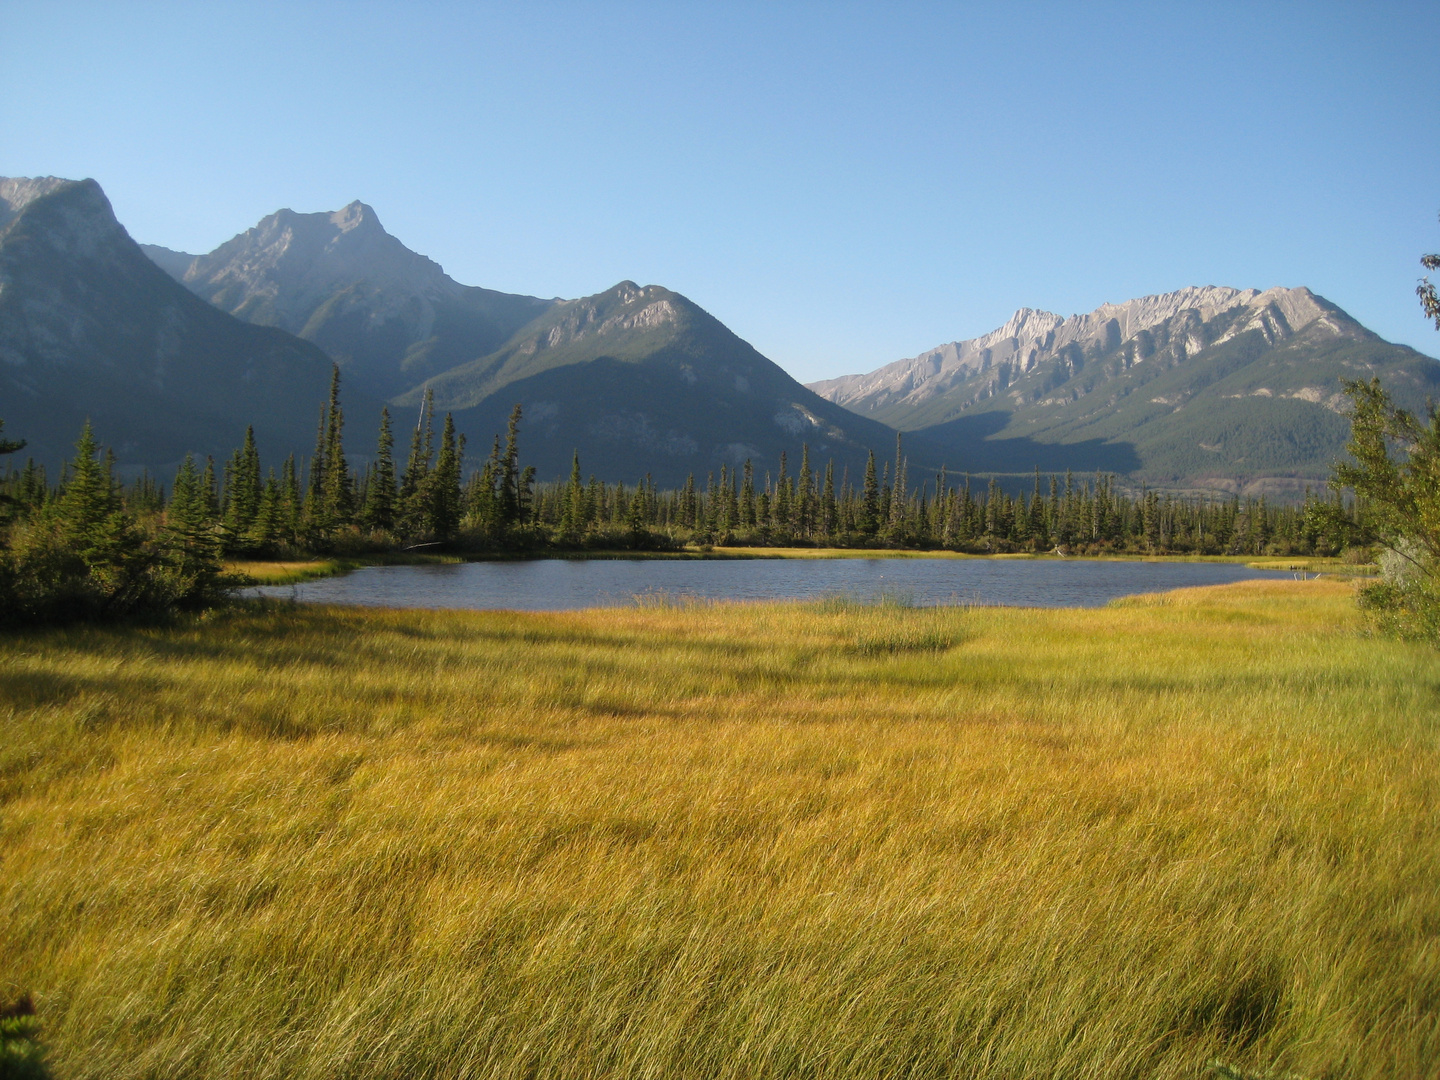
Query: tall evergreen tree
x,y
243,488
442,485
412,517
870,499
572,513
337,487
379,509
511,503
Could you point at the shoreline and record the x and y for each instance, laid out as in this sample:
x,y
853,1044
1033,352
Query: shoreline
x,y
295,571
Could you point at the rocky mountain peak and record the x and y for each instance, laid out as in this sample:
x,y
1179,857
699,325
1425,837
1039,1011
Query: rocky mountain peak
x,y
356,216
289,264
74,215
1031,337
18,192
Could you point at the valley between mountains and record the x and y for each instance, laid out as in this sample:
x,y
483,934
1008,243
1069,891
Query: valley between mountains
x,y
1208,388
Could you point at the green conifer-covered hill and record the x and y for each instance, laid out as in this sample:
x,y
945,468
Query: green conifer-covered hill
x,y
387,315
1206,387
92,328
641,380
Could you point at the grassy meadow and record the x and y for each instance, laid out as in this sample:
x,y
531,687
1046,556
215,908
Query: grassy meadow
x,y
781,840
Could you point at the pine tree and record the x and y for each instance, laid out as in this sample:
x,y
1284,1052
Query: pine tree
x,y
870,500
783,492
85,506
412,515
827,501
267,529
442,486
315,490
803,512
242,490
193,544
572,512
337,488
747,497
379,509
511,503
292,503
210,493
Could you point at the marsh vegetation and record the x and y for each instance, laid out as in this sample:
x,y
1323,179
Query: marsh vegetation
x,y
829,839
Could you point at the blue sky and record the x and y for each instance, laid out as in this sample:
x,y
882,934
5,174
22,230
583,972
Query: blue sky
x,y
842,184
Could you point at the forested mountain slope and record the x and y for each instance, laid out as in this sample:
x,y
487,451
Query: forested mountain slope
x,y
642,380
1208,386
92,328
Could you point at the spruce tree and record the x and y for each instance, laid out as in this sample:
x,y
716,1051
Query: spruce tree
x,y
780,508
193,545
870,499
511,505
802,513
571,511
747,497
243,488
266,530
85,506
337,488
442,486
315,489
412,516
209,493
292,503
827,501
379,509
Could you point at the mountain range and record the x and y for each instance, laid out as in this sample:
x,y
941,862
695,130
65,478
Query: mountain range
x,y
389,317
92,329
637,380
1206,387
169,351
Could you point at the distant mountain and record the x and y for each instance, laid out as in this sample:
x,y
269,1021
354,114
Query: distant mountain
x,y
91,327
1207,387
641,380
389,317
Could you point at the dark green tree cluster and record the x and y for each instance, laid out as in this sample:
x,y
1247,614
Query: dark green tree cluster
x,y
327,506
86,550
815,508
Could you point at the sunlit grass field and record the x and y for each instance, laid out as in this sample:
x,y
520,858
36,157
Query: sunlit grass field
x,y
824,840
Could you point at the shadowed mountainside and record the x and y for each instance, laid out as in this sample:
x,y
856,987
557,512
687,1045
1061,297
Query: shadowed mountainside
x,y
92,328
641,380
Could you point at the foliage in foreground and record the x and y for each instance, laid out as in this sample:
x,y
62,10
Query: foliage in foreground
x,y
1402,495
83,554
21,1055
733,841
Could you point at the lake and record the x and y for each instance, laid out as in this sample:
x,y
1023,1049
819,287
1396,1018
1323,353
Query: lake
x,y
567,584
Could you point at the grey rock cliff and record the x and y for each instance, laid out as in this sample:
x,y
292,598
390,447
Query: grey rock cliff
x,y
389,316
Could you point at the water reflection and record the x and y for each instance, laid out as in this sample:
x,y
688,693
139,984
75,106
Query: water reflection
x,y
567,584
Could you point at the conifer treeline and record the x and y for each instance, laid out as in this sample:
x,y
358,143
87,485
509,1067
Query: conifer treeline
x,y
324,505
814,508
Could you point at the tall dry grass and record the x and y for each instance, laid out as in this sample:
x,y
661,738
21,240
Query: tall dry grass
x,y
733,841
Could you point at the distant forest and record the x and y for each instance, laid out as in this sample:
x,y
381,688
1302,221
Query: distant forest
x,y
89,544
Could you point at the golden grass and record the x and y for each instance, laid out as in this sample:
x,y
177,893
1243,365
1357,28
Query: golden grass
x,y
820,840
284,572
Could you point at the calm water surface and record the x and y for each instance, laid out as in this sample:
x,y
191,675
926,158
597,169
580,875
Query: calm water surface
x,y
566,584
